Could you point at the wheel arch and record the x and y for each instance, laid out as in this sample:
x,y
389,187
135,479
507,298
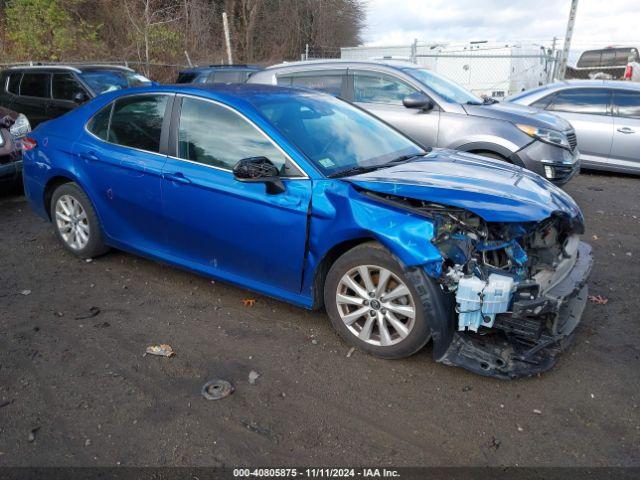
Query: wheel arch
x,y
52,184
330,256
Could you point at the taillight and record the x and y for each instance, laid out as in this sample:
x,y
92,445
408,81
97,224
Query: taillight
x,y
628,72
28,143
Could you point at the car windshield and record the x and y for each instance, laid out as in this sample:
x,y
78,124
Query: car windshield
x,y
448,90
337,137
103,81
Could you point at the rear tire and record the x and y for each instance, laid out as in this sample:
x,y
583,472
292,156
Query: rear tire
x,y
373,305
75,222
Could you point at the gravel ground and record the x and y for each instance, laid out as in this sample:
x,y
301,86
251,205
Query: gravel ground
x,y
77,391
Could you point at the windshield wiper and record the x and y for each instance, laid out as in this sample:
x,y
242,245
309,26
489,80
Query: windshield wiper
x,y
352,171
402,159
360,169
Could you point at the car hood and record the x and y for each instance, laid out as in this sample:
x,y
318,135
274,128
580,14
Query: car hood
x,y
492,189
515,113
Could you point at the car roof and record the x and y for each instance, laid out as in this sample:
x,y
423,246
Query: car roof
x,y
395,64
592,83
213,68
70,67
231,93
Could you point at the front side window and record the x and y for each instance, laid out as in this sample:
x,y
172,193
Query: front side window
x,y
216,136
14,83
65,87
375,88
333,134
593,101
627,104
136,121
445,88
327,83
35,85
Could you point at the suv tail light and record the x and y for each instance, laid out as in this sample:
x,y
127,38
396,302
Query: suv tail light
x,y
28,143
628,72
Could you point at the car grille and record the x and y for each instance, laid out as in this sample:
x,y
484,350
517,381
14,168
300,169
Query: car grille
x,y
573,141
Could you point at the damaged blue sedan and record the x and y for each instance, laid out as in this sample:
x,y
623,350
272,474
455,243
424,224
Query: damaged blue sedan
x,y
305,198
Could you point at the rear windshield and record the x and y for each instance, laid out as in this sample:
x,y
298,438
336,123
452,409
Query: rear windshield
x,y
608,57
102,81
186,77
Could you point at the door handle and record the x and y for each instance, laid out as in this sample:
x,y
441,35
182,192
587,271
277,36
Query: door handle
x,y
177,177
626,130
91,156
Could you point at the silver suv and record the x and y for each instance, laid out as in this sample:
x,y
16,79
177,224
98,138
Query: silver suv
x,y
436,112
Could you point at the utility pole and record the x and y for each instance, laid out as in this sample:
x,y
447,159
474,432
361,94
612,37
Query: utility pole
x,y
227,37
567,39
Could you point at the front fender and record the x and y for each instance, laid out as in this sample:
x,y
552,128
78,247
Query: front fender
x,y
340,214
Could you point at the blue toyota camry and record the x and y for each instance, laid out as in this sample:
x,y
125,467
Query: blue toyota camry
x,y
306,198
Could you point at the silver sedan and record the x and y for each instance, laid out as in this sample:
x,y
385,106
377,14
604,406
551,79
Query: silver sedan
x,y
605,115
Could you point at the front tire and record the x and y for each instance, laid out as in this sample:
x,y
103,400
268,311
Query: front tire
x,y
75,221
373,305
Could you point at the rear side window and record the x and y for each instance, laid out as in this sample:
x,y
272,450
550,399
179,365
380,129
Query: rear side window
x,y
594,101
214,135
136,121
99,123
64,86
14,83
35,85
627,104
327,83
373,88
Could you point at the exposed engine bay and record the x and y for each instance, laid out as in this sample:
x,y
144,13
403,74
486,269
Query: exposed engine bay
x,y
516,289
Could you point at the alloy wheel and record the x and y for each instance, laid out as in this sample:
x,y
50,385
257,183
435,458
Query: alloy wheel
x,y
72,222
375,305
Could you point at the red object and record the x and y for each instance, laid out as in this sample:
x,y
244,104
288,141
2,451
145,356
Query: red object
x,y
28,143
628,72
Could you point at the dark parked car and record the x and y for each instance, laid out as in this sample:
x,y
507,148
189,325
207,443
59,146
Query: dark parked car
x,y
44,92
13,126
306,198
217,74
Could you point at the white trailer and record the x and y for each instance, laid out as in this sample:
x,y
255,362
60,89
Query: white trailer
x,y
491,69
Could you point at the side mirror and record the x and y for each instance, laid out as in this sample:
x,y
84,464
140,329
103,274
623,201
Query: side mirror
x,y
418,100
80,97
259,169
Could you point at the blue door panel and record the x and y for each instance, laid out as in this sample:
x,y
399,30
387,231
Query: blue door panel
x,y
126,187
234,228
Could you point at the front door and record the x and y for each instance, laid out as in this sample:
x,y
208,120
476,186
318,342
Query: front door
x,y
587,109
121,161
64,92
382,95
625,151
228,228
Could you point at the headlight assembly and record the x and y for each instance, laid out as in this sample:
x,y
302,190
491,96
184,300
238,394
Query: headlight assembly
x,y
21,127
546,135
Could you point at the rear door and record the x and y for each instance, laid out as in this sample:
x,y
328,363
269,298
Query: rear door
x,y
217,224
625,152
121,156
382,94
589,112
34,95
64,90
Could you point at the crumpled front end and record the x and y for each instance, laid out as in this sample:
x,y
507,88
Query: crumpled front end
x,y
517,290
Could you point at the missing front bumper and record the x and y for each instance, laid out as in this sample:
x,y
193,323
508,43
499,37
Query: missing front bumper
x,y
517,349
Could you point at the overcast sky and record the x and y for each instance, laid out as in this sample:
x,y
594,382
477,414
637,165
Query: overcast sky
x,y
599,22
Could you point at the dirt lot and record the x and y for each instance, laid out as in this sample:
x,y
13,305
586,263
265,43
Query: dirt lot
x,y
84,389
